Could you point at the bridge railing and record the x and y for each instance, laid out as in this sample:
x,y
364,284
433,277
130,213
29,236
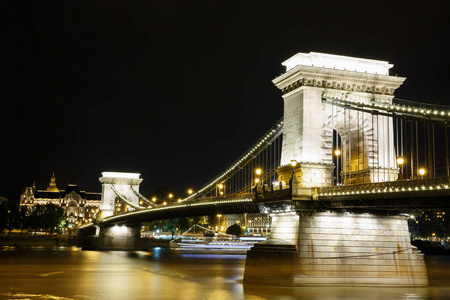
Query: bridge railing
x,y
387,187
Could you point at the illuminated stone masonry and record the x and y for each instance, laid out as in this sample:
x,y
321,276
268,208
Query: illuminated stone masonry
x,y
357,250
309,123
116,185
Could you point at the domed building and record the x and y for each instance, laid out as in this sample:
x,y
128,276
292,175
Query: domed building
x,y
80,206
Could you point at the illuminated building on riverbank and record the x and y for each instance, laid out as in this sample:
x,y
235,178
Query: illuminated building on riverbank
x,y
79,206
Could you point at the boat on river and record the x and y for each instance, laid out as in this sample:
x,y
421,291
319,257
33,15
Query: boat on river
x,y
211,240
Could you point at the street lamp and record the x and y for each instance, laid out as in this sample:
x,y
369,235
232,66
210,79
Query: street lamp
x,y
421,172
293,164
220,186
190,191
400,161
337,153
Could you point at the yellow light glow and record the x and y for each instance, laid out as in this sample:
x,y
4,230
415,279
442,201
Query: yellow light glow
x,y
422,171
400,160
164,203
170,196
258,171
256,180
293,162
190,191
337,152
220,186
154,199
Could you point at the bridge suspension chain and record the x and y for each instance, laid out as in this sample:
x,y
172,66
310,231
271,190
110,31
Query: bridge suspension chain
x,y
239,177
121,197
140,196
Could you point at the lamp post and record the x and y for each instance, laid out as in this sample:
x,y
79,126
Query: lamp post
x,y
258,180
220,187
258,174
293,164
337,153
400,162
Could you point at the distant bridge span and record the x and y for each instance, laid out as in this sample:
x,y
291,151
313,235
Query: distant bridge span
x,y
234,205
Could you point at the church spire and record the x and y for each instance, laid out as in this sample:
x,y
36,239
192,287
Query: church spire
x,y
52,186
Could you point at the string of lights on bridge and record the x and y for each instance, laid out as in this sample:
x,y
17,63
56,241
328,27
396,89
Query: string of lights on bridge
x,y
388,190
257,147
423,112
176,206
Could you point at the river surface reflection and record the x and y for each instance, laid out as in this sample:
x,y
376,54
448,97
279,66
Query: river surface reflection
x,y
69,273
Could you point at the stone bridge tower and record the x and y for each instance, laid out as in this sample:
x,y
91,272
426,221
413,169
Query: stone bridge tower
x,y
309,123
114,183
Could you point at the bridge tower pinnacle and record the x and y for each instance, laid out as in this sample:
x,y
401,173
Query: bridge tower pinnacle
x,y
309,123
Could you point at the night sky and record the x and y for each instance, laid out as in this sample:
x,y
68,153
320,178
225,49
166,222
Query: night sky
x,y
178,90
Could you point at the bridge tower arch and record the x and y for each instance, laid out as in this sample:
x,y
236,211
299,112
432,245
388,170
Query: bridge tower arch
x,y
309,123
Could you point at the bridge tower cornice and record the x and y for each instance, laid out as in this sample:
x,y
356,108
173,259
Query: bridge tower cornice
x,y
337,80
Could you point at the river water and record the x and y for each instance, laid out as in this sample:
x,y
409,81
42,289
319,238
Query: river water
x,y
69,273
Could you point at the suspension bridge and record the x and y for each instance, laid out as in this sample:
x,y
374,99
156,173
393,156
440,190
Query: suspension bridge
x,y
337,174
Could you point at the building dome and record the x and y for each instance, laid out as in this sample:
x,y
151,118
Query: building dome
x,y
52,186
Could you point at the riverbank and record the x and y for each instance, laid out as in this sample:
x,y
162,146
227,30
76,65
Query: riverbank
x,y
36,241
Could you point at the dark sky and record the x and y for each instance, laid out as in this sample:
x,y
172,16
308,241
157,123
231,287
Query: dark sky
x,y
178,90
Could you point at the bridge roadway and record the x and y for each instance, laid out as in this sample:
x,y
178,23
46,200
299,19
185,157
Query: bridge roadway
x,y
395,196
236,204
398,196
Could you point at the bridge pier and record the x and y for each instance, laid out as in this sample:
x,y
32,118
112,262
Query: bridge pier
x,y
115,237
346,249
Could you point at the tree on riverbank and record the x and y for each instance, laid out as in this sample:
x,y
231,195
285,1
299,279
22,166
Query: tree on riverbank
x,y
48,217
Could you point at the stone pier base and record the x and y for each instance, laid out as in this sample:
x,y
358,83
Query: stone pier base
x,y
344,249
272,262
114,237
357,250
